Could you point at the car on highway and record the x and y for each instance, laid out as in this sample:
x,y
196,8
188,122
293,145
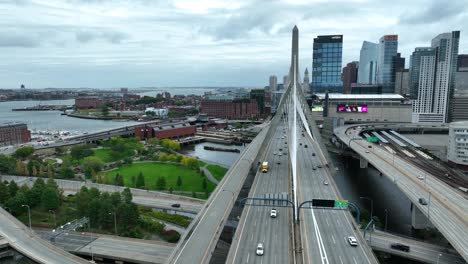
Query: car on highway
x,y
273,213
305,146
367,151
325,183
300,144
175,205
260,249
314,168
420,177
422,201
369,146
313,154
279,154
352,241
319,166
274,153
401,247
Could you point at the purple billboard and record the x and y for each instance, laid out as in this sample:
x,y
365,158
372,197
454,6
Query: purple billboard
x,y
352,108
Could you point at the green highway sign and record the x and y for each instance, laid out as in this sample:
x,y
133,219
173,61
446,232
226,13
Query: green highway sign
x,y
341,204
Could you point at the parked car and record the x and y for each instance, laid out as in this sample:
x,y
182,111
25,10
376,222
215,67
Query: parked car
x,y
176,205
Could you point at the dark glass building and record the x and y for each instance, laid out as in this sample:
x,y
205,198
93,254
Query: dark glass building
x,y
326,64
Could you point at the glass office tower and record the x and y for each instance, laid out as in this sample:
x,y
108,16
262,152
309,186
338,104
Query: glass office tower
x,y
388,47
326,64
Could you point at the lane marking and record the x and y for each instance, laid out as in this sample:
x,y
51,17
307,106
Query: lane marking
x,y
248,256
333,238
341,260
322,250
354,260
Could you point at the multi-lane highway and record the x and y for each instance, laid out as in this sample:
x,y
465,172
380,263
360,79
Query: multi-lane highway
x,y
446,208
256,225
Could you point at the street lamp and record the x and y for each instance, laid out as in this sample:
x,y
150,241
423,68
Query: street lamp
x,y
29,213
438,257
55,217
115,222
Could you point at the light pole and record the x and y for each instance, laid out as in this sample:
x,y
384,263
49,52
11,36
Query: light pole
x,y
115,222
29,214
428,209
386,219
438,257
92,255
55,217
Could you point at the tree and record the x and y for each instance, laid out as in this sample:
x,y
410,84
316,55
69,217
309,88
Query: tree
x,y
34,171
104,110
67,173
59,150
153,141
115,199
34,195
50,171
91,164
20,169
4,193
14,204
194,195
13,188
204,184
81,151
7,164
128,215
161,183
50,199
93,212
24,152
133,181
127,195
106,211
179,181
171,189
190,162
140,181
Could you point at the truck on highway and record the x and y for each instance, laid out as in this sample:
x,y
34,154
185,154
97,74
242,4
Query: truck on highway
x,y
265,166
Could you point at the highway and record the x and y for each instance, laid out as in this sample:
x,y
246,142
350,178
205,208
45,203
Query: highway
x,y
325,230
29,244
198,243
420,251
447,208
148,198
256,225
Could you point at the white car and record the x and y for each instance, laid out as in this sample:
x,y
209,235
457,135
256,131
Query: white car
x,y
367,151
352,241
420,177
260,249
273,213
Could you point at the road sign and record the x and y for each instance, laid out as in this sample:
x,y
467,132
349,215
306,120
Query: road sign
x,y
341,204
322,203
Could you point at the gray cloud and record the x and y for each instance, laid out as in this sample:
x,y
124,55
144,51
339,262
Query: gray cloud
x,y
21,41
85,36
436,11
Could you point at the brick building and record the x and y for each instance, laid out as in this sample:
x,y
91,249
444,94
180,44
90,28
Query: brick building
x,y
161,131
88,103
231,109
14,133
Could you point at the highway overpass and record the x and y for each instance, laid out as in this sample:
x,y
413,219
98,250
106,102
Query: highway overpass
x,y
447,208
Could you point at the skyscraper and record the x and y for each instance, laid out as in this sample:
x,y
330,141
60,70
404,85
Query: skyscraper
x,y
294,54
368,63
432,78
326,64
273,83
388,47
349,77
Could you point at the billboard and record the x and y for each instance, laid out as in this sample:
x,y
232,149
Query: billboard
x,y
351,108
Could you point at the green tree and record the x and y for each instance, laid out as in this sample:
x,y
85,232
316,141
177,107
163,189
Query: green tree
x,y
128,215
4,193
179,181
105,110
15,203
24,152
50,171
106,211
59,150
50,200
91,164
161,183
34,195
20,168
33,165
67,173
204,184
153,141
81,151
133,181
7,164
194,195
115,199
82,199
171,189
140,181
127,196
93,212
13,188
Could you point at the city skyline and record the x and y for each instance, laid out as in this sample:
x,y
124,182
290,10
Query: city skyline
x,y
108,44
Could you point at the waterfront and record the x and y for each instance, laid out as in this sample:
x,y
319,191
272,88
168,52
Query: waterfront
x,y
225,159
52,120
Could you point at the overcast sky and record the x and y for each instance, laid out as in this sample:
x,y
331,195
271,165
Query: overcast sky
x,y
136,43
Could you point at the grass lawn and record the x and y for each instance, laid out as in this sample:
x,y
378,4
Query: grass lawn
x,y
217,171
105,155
191,180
